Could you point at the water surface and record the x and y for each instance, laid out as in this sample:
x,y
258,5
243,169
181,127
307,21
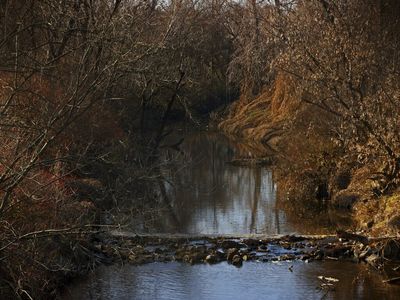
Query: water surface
x,y
252,281
205,194
208,195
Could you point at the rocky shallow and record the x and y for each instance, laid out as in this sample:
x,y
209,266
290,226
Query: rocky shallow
x,y
383,254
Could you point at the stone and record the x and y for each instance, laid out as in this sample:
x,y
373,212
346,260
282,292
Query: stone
x,y
159,250
305,257
318,255
220,254
212,259
237,260
251,243
243,251
188,259
286,257
132,258
139,249
226,244
262,248
231,253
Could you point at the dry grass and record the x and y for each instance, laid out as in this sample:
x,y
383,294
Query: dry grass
x,y
36,264
263,118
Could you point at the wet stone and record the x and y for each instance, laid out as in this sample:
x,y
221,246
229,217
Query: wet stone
x,y
226,244
305,257
243,251
159,250
231,253
287,257
212,259
251,243
220,254
263,259
318,255
262,248
237,260
195,258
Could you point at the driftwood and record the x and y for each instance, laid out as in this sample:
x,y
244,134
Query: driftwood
x,y
392,280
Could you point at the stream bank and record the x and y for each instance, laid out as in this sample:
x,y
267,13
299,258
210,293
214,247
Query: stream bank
x,y
219,217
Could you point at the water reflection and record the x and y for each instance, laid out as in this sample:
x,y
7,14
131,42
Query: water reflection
x,y
208,195
222,281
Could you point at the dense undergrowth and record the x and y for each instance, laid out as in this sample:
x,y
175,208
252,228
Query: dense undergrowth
x,y
87,92
330,108
88,89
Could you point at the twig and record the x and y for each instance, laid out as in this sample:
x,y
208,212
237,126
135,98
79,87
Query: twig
x,y
392,280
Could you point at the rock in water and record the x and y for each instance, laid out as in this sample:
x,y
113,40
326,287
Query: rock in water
x,y
226,244
237,260
212,258
231,253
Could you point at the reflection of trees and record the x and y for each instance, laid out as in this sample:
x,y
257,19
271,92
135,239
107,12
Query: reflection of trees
x,y
207,189
356,281
313,217
202,193
256,198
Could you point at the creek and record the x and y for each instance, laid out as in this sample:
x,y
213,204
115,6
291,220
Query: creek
x,y
205,194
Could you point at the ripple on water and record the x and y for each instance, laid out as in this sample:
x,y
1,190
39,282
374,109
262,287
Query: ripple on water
x,y
210,196
223,281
